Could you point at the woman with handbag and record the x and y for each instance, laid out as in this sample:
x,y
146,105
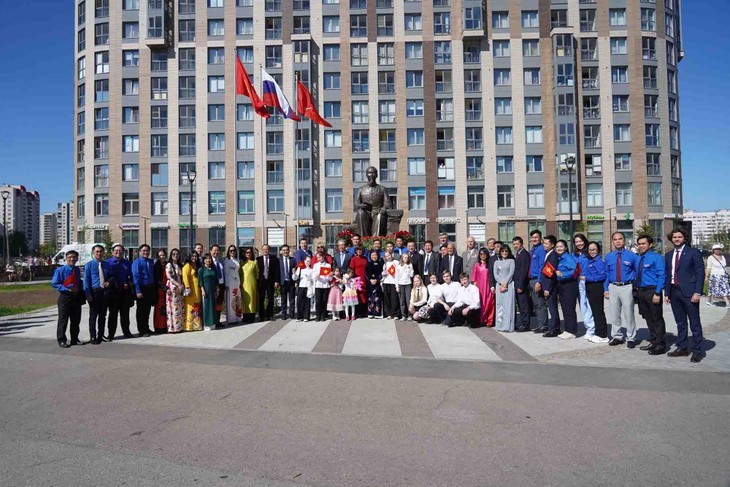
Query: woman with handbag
x,y
175,305
716,273
191,295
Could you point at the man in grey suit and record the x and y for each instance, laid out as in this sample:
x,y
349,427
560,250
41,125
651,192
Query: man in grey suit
x,y
470,255
342,256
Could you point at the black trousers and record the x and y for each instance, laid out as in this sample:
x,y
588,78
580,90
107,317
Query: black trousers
x,y
391,304
568,293
653,315
553,322
304,308
144,305
69,309
438,312
119,308
523,303
320,299
594,292
266,289
97,313
457,317
288,297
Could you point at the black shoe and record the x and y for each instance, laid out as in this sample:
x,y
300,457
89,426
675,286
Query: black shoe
x,y
679,352
94,341
128,335
522,329
78,342
614,342
648,347
107,339
631,345
145,334
220,325
697,357
550,334
540,329
64,345
658,351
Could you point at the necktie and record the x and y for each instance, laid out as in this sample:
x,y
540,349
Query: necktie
x,y
428,259
619,275
418,294
101,275
675,279
286,269
641,270
266,267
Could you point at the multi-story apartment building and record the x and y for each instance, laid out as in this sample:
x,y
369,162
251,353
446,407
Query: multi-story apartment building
x,y
708,226
22,211
65,217
473,111
48,229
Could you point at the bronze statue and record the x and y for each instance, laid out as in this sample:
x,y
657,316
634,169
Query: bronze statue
x,y
372,206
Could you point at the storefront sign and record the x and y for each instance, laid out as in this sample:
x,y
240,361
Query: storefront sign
x,y
595,217
418,221
129,226
447,220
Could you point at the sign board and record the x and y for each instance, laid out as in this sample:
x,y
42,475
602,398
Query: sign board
x,y
478,231
275,236
418,221
595,217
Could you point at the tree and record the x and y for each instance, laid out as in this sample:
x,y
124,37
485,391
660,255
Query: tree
x,y
18,243
47,249
108,244
646,229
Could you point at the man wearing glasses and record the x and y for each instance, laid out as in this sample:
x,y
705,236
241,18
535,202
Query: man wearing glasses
x,y
143,276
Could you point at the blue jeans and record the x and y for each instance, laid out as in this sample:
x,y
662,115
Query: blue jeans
x,y
585,309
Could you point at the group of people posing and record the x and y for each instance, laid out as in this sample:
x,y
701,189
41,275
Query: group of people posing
x,y
497,285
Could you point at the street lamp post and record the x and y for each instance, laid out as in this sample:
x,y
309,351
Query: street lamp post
x,y
191,177
570,166
6,195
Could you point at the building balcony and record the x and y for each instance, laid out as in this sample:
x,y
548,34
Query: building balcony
x,y
588,55
592,142
590,84
592,113
651,112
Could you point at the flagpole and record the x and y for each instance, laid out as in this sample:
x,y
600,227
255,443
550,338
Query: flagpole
x,y
264,210
235,141
296,167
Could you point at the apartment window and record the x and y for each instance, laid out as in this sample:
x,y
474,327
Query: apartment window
x,y
414,79
159,204
654,193
648,19
244,27
216,84
81,151
216,170
415,137
617,17
503,135
215,3
443,81
216,55
101,176
246,202
101,119
500,20
619,74
671,58
188,203
502,77
158,116
588,49
619,45
413,22
533,106
624,194
674,160
475,197
360,141
274,142
186,59
505,197
500,48
158,174
158,145
331,52
187,144
620,103
101,62
533,135
473,109
530,19
130,30
444,139
385,24
472,81
622,162
414,108
446,197
558,18
331,24
333,168
653,165
187,31
648,48
275,201
187,116
101,34
416,166
101,205
216,27
532,76
386,54
359,166
333,200
159,88
301,25
386,111
530,48
474,167
673,138
130,204
536,196
472,53
82,68
474,140
358,54
622,133
441,23
593,165
676,194
217,203
669,25
588,20
216,113
534,163
245,170
671,81
101,90
130,86
331,81
130,172
130,143
358,26
386,82
594,194
359,82
652,135
244,141
272,6
444,110
446,168
504,164
332,109
333,138
184,169
442,52
417,198
472,18
566,134
80,179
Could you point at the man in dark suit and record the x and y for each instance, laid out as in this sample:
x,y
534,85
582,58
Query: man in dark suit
x,y
493,258
522,283
549,282
451,262
684,281
288,286
342,256
430,261
269,279
416,258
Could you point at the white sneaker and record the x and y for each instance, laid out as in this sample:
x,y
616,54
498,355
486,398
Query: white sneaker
x,y
566,335
597,339
206,328
589,337
709,303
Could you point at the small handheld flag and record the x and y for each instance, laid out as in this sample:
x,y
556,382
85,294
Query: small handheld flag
x,y
548,270
391,271
325,271
301,264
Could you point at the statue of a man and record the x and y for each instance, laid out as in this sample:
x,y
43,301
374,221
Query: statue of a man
x,y
371,205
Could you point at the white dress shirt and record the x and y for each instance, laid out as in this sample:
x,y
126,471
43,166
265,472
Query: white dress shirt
x,y
674,259
450,291
321,282
387,278
434,294
469,296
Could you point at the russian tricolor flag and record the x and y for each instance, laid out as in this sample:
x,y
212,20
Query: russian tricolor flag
x,y
273,96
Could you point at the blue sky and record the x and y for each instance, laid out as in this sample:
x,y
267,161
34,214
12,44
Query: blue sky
x,y
36,105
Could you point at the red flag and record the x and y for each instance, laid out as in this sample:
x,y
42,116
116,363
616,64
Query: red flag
x,y
71,282
305,106
325,271
577,271
245,88
391,271
301,264
548,270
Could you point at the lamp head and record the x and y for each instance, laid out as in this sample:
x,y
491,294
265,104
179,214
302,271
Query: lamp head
x,y
192,175
6,194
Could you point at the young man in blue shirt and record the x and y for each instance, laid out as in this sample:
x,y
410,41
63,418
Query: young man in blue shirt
x,y
537,261
650,281
97,282
621,267
120,296
143,275
67,281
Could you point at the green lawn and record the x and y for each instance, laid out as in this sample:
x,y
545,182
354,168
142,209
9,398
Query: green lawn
x,y
24,287
16,310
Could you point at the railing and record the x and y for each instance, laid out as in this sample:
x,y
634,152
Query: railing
x,y
589,55
592,142
387,146
566,110
274,176
444,145
444,115
590,84
473,115
651,112
386,88
444,87
474,173
650,83
474,144
588,25
591,113
472,86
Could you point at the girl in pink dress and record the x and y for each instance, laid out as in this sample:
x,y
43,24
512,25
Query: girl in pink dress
x,y
349,296
334,302
480,277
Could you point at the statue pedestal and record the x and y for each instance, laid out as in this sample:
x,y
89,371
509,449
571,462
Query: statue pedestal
x,y
394,219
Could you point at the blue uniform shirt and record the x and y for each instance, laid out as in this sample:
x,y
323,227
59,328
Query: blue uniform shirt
x,y
566,265
653,273
399,250
142,273
629,265
300,255
537,261
121,271
594,269
61,274
91,274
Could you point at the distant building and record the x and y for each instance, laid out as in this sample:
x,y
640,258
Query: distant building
x,y
48,228
707,224
65,218
23,213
